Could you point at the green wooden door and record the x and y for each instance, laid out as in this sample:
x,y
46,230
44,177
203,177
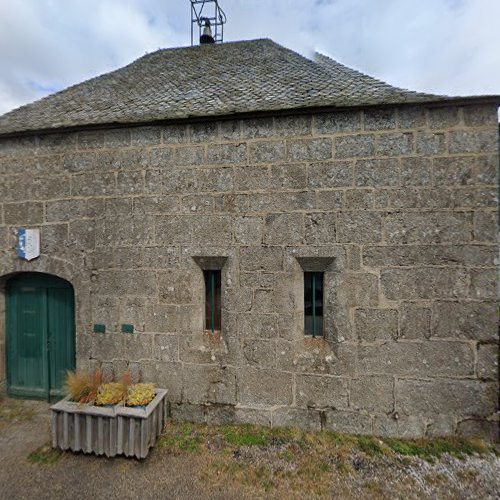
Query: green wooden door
x,y
40,335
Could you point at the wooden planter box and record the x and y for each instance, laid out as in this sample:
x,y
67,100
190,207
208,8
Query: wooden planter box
x,y
119,430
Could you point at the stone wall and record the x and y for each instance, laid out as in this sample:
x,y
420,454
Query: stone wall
x,y
400,203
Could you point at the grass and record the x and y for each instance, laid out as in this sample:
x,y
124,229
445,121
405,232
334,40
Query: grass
x,y
45,455
432,449
289,461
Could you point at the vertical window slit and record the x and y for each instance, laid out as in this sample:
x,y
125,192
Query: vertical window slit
x,y
212,300
313,303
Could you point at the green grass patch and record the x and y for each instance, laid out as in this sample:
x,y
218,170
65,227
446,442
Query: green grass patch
x,y
370,445
45,455
245,435
184,437
432,449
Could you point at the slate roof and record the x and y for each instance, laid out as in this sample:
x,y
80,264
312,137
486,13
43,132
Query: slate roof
x,y
205,81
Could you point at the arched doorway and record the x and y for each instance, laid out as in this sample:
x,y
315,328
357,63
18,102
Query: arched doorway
x,y
40,334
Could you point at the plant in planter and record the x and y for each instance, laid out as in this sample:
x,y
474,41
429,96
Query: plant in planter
x,y
109,418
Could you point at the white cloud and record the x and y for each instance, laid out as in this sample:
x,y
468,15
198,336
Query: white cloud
x,y
443,46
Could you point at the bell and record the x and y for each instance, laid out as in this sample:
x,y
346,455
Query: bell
x,y
207,37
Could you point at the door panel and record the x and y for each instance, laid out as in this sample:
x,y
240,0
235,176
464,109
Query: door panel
x,y
27,308
61,336
40,335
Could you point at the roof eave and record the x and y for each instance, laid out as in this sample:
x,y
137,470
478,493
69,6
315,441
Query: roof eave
x,y
432,101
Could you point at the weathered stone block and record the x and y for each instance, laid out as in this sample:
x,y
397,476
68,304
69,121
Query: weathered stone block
x,y
248,230
443,117
191,155
23,213
168,376
209,384
358,289
204,132
261,259
473,141
470,197
186,412
348,422
264,387
238,300
487,361
226,153
354,146
145,136
440,396
261,353
428,227
372,394
90,139
320,228
288,177
174,134
267,152
429,255
404,427
411,117
257,128
314,391
416,172
330,174
329,200
424,283
116,138
173,229
177,287
258,326
480,115
309,149
284,229
359,199
93,185
485,226
295,417
157,205
332,123
380,119
415,322
479,428
377,172
426,359
484,283
287,126
132,312
454,170
211,229
365,227
395,144
428,143
465,320
130,231
118,283
64,210
251,178
376,324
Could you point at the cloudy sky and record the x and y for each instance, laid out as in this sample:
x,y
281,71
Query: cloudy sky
x,y
441,46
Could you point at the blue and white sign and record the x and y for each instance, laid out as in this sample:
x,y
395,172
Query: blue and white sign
x,y
28,243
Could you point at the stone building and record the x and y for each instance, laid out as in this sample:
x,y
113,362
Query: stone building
x,y
273,239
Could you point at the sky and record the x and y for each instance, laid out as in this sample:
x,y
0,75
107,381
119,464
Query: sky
x,y
440,46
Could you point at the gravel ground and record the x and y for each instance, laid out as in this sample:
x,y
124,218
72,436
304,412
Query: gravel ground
x,y
24,427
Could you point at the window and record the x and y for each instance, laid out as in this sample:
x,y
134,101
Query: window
x,y
313,303
212,300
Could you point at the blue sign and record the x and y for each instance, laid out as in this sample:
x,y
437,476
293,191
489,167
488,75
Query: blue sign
x,y
28,243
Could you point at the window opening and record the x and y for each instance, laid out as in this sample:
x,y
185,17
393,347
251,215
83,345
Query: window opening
x,y
212,300
313,303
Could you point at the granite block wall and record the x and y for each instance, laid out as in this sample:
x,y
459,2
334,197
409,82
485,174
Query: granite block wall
x,y
398,206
